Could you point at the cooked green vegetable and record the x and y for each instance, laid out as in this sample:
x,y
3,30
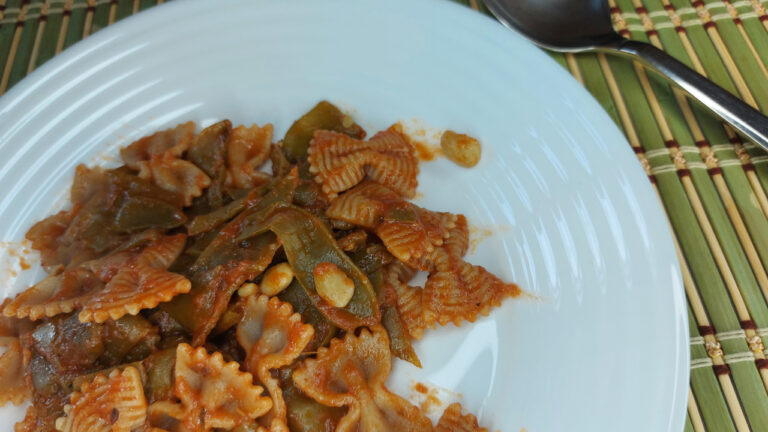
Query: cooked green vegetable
x,y
298,298
159,372
221,215
304,413
227,262
372,261
323,116
123,182
130,338
138,213
213,284
209,150
307,242
227,241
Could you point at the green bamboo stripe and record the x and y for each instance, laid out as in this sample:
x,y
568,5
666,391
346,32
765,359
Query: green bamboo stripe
x,y
595,83
708,194
756,32
6,35
49,40
738,184
19,68
703,267
688,425
560,58
101,17
748,65
751,394
706,389
124,9
761,167
147,3
752,26
705,49
740,189
75,29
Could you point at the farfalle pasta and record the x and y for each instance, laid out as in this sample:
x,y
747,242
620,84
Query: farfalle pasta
x,y
351,373
272,337
408,231
220,281
142,282
247,149
121,283
339,162
212,394
14,389
112,403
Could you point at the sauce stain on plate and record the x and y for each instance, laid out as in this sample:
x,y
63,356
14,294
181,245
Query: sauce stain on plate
x,y
431,399
478,233
425,139
16,257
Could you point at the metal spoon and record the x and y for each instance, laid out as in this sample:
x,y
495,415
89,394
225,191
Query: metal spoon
x,y
585,25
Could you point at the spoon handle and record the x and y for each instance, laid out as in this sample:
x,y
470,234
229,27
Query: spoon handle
x,y
745,119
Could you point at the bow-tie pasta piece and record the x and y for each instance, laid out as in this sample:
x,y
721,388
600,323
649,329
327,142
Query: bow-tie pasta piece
x,y
114,403
407,230
410,302
212,394
142,283
272,337
455,290
172,141
365,205
14,327
107,205
340,162
12,385
453,421
247,149
158,159
46,236
352,373
175,175
323,116
61,292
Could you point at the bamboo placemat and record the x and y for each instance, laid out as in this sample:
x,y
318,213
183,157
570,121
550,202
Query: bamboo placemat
x,y
712,184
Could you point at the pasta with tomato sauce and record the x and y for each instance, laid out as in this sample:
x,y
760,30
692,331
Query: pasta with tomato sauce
x,y
191,289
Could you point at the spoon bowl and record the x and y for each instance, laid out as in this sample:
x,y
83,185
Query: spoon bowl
x,y
585,25
580,24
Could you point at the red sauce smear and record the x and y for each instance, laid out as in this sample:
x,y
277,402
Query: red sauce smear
x,y
426,152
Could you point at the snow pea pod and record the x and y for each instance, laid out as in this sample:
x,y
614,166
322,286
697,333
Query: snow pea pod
x,y
302,304
307,242
372,261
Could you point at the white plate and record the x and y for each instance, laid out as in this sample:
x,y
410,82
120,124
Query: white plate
x,y
575,221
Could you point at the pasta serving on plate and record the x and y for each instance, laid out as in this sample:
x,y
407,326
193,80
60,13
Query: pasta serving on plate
x,y
190,290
